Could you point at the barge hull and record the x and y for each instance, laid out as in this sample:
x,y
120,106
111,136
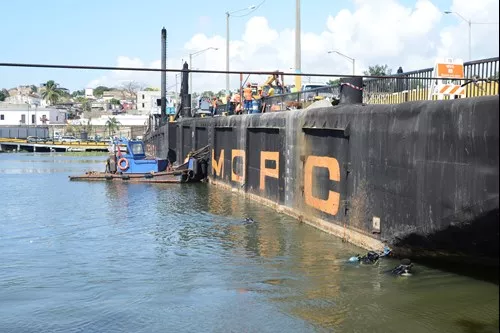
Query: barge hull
x,y
422,176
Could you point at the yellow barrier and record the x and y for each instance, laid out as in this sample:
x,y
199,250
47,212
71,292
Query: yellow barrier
x,y
472,90
57,143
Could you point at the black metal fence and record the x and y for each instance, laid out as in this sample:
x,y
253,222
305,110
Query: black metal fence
x,y
409,86
416,85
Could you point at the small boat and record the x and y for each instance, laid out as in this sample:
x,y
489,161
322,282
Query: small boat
x,y
135,167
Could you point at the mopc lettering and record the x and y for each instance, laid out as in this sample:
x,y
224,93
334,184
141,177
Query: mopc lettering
x,y
330,205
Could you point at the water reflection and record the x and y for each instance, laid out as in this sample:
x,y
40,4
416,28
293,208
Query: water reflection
x,y
176,257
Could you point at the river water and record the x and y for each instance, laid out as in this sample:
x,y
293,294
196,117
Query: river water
x,y
100,257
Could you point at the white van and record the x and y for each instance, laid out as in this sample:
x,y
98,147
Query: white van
x,y
310,86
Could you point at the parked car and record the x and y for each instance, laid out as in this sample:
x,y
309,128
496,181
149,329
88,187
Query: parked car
x,y
32,139
69,138
36,139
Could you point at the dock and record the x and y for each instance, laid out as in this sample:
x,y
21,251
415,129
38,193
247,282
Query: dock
x,y
9,144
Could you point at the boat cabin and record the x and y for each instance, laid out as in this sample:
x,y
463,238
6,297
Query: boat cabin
x,y
134,160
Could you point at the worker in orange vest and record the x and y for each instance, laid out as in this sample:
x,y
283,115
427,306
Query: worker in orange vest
x,y
247,94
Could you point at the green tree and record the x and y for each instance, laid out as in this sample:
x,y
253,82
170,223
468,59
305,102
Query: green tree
x,y
378,70
77,93
151,89
207,93
3,95
85,102
52,92
98,91
335,82
34,89
70,129
114,101
221,93
112,125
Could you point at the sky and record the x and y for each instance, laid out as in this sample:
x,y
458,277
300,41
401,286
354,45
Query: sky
x,y
126,33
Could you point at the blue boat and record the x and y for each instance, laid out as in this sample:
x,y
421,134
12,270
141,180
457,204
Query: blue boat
x,y
128,162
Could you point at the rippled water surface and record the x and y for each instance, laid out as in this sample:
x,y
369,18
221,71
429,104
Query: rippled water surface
x,y
100,257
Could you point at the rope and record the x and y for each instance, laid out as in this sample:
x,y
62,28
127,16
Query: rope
x,y
352,86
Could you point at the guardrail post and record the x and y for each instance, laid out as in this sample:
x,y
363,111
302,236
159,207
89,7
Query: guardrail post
x,y
351,90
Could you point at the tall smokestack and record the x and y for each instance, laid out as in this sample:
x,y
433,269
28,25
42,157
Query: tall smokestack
x,y
163,73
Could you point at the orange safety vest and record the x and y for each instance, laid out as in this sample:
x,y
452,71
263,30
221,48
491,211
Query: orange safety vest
x,y
247,93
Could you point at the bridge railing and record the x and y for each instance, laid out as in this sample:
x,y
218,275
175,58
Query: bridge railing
x,y
415,85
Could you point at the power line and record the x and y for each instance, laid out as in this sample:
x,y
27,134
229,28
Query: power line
x,y
207,71
253,10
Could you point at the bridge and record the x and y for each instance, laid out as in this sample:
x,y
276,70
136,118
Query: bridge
x,y
7,144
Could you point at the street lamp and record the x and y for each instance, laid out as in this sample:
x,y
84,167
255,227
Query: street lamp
x,y
352,60
469,23
191,64
227,40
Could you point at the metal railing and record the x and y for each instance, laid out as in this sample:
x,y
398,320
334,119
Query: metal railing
x,y
416,85
412,86
300,100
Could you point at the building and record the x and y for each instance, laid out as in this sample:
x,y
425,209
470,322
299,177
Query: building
x,y
116,94
33,100
146,100
24,114
123,120
89,93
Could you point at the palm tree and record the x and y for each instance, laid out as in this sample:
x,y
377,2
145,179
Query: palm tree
x,y
52,93
112,125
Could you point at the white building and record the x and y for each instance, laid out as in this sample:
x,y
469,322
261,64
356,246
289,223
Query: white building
x,y
146,100
124,120
89,93
24,114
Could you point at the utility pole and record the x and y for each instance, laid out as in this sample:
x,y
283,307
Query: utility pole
x,y
227,52
298,78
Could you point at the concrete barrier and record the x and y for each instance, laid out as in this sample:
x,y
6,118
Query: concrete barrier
x,y
22,132
421,175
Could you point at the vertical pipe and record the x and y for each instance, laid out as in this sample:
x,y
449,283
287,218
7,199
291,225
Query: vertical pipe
x,y
163,107
227,52
298,79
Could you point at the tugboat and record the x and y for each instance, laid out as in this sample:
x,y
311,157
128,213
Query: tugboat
x,y
128,163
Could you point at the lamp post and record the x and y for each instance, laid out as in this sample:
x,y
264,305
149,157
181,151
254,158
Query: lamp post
x,y
347,57
191,64
227,41
469,23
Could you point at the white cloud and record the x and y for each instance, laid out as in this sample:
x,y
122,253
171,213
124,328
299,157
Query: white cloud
x,y
376,32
